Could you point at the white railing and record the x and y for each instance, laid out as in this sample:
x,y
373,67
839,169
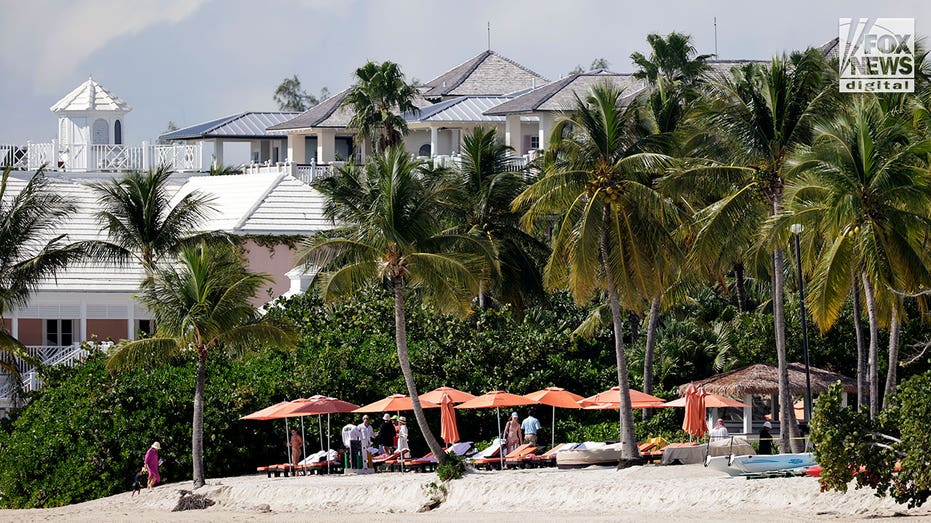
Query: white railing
x,y
305,172
47,355
102,157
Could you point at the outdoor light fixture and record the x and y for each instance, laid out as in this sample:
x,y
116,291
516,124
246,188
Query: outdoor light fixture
x,y
797,229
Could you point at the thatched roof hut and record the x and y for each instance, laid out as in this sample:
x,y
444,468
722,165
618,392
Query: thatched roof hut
x,y
764,379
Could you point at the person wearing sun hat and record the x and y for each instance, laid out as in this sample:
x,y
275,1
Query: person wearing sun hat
x,y
386,434
512,435
766,439
402,438
151,462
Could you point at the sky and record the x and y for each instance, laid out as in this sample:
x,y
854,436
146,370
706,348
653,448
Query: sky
x,y
188,61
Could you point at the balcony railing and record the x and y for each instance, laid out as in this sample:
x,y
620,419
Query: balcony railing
x,y
101,157
305,172
48,356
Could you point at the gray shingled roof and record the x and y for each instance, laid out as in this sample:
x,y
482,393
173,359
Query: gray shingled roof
x,y
488,73
560,95
242,125
461,109
328,113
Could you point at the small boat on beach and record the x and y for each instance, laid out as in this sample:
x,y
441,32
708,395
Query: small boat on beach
x,y
755,464
588,454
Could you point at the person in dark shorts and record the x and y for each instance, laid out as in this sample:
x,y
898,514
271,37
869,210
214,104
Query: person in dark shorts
x,y
139,480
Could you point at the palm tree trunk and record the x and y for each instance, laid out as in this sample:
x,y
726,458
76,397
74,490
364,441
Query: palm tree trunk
x,y
197,432
400,336
874,344
741,284
862,397
894,325
628,438
648,352
788,425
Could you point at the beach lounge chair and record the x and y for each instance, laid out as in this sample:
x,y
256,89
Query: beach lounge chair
x,y
548,458
518,458
494,462
277,470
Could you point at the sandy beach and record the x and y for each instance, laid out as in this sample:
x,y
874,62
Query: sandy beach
x,y
683,493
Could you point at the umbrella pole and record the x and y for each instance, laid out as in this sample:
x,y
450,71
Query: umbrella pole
x,y
500,452
553,430
303,438
320,426
327,442
287,441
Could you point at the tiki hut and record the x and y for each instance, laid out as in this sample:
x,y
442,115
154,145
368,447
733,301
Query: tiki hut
x,y
763,380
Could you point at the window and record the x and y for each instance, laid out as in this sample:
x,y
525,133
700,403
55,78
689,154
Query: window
x,y
424,150
118,132
535,142
59,332
144,328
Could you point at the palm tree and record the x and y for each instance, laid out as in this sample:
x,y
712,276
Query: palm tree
x,y
390,219
30,250
140,221
485,214
763,112
612,220
672,58
378,100
865,189
201,305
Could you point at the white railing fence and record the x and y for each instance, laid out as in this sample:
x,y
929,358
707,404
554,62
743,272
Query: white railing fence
x,y
305,172
48,356
101,157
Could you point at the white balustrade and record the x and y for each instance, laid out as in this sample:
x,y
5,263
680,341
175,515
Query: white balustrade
x,y
101,157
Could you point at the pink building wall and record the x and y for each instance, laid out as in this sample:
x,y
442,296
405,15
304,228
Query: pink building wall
x,y
107,330
30,331
275,261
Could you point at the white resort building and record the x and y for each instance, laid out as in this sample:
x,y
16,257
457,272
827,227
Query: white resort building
x,y
272,198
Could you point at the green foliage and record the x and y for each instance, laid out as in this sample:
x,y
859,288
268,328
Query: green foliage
x,y
84,434
849,445
452,468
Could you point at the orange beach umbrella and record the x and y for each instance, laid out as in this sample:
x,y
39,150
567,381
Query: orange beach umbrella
x,y
555,397
611,399
267,413
436,395
395,403
496,399
694,422
448,429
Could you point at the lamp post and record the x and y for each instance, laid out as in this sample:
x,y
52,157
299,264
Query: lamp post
x,y
797,229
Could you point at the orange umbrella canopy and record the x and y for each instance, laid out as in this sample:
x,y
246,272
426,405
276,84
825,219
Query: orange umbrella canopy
x,y
448,429
712,401
394,403
556,397
317,405
694,422
268,412
436,395
497,398
611,399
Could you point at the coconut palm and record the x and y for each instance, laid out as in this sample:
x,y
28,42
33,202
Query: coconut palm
x,y
672,58
31,250
485,214
378,100
202,305
390,230
140,221
864,187
612,220
763,112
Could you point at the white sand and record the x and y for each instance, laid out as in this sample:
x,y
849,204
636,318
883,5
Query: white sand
x,y
684,493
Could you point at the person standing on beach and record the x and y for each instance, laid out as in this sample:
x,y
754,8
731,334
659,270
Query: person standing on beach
x,y
297,443
530,426
766,439
402,438
151,462
512,436
386,434
719,431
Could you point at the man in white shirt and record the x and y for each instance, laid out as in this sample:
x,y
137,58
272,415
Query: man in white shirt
x,y
530,426
719,431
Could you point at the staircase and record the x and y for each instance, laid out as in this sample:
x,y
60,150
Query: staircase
x,y
48,356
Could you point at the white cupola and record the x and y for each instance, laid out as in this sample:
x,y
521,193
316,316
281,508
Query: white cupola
x,y
91,115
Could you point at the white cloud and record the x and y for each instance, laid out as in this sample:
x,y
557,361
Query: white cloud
x,y
52,38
